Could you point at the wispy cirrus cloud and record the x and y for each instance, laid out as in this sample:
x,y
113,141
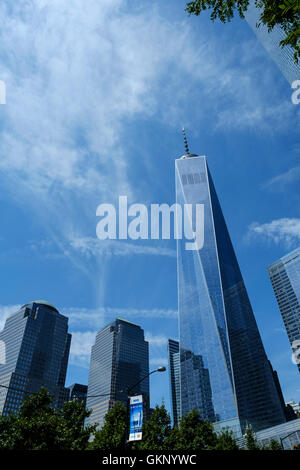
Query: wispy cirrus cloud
x,y
74,83
96,318
280,181
158,349
91,247
87,318
77,80
156,340
81,344
285,231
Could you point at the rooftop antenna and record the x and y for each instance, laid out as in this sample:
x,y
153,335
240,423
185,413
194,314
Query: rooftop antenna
x,y
187,152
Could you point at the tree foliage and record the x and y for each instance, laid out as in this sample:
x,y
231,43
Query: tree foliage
x,y
284,13
113,433
252,444
156,431
226,441
250,440
274,445
192,434
76,434
40,427
195,434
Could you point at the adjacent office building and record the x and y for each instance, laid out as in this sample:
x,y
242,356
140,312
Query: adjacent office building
x,y
224,370
282,56
288,410
295,407
195,376
119,359
285,279
36,346
174,378
78,392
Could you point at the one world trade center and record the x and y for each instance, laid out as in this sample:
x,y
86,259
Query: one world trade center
x,y
224,370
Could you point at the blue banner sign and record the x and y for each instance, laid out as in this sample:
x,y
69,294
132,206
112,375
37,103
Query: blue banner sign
x,y
136,418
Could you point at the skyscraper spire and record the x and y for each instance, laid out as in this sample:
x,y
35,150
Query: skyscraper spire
x,y
185,142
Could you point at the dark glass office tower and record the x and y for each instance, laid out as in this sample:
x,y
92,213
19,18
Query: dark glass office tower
x,y
78,392
37,345
119,359
217,327
174,377
285,279
194,376
288,410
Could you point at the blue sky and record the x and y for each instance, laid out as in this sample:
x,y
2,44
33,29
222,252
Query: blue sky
x,y
97,94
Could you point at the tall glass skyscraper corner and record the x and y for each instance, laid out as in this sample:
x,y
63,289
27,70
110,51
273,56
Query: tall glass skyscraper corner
x,y
282,56
119,359
174,377
37,346
285,279
224,370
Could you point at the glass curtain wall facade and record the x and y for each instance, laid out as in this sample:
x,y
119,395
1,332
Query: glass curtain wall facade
x,y
285,278
220,344
37,346
78,392
174,377
119,359
283,57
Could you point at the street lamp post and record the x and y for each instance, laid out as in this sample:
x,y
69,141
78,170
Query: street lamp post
x,y
129,389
